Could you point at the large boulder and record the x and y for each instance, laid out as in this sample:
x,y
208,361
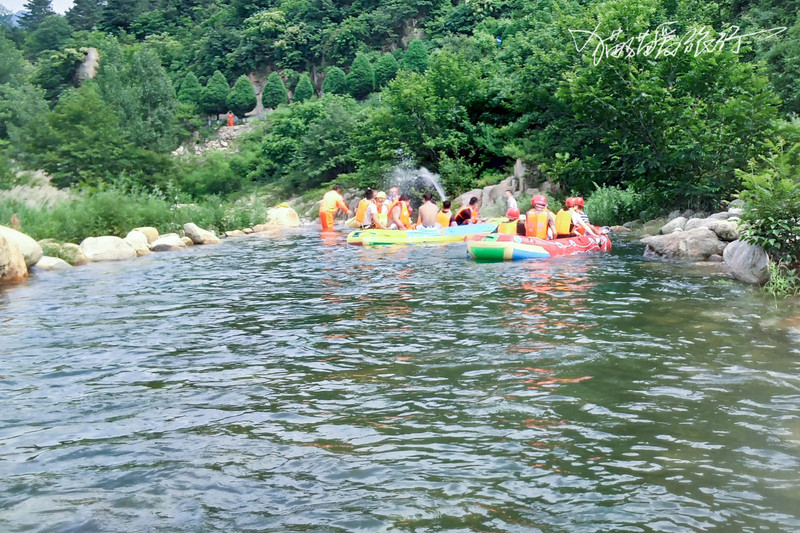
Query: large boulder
x,y
726,230
747,262
52,263
201,236
12,262
73,254
283,216
27,246
150,232
138,241
168,243
693,245
694,223
107,248
675,224
652,227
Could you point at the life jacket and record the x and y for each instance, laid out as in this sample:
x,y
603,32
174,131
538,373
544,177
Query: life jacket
x,y
361,210
564,222
405,216
536,224
443,219
461,219
509,227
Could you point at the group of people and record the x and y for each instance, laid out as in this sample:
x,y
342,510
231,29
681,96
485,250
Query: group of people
x,y
393,211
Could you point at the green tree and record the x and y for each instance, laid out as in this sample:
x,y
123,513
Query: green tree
x,y
385,70
85,14
335,81
191,91
361,79
118,15
51,34
242,97
214,98
304,89
416,57
36,12
12,66
274,92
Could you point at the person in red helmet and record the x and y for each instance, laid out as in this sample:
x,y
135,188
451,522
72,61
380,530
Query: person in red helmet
x,y
581,219
511,225
539,221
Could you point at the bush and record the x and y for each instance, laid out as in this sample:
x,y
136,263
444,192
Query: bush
x,y
212,175
612,205
783,281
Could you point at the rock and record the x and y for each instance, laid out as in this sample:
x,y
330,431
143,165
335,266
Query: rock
x,y
282,216
736,211
633,224
107,248
694,223
736,204
675,224
746,262
653,226
247,231
689,213
674,215
715,258
51,263
73,254
138,241
724,215
258,228
464,199
693,245
187,241
619,229
234,233
167,243
150,233
199,235
29,248
12,262
726,230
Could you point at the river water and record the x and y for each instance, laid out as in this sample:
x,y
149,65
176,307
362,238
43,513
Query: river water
x,y
294,383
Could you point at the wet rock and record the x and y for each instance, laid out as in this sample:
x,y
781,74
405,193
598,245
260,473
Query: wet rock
x,y
138,241
167,243
199,235
187,241
27,246
107,248
52,263
693,245
150,232
12,262
234,233
747,263
619,229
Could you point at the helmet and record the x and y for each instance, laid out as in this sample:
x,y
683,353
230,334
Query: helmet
x,y
381,194
570,202
577,201
538,200
513,213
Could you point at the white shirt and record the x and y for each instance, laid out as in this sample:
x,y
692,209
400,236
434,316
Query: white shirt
x,y
512,202
371,215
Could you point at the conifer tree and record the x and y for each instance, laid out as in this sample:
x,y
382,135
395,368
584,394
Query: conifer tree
x,y
242,97
85,14
274,92
304,90
214,97
191,90
37,11
385,70
335,82
416,58
361,79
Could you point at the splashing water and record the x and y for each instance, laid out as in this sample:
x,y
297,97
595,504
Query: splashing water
x,y
408,176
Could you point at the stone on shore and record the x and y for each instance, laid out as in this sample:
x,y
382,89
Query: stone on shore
x,y
282,216
168,243
675,224
73,254
199,235
187,241
726,230
619,229
746,262
107,248
693,245
139,241
150,232
234,233
27,246
12,262
52,263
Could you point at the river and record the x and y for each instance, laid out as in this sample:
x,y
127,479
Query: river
x,y
295,383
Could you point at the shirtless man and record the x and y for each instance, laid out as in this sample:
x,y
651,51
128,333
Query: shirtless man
x,y
428,212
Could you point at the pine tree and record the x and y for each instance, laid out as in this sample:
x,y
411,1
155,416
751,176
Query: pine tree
x,y
385,70
119,14
361,79
416,58
214,97
274,92
37,11
335,81
85,14
304,90
191,91
242,97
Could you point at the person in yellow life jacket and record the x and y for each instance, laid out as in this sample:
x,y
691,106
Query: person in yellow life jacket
x,y
581,219
383,208
332,201
564,225
539,221
469,214
445,216
400,214
510,226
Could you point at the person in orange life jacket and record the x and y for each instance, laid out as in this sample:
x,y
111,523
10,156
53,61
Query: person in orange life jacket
x,y
445,216
513,225
581,219
362,206
539,221
468,214
371,215
400,214
332,201
428,212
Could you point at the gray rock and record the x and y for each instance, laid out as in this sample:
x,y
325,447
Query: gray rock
x,y
736,211
737,203
724,215
619,229
169,240
52,263
652,227
676,224
694,223
199,235
715,258
107,248
27,246
747,263
726,230
673,215
693,245
167,247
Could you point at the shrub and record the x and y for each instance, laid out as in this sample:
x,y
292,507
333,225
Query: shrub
x,y
274,92
304,89
335,81
783,281
612,205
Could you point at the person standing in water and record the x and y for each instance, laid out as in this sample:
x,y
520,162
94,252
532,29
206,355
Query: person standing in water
x,y
332,201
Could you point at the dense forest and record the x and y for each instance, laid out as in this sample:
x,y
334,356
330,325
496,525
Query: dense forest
x,y
655,103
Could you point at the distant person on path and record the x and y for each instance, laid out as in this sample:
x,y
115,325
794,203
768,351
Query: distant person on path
x,y
468,214
331,202
230,118
400,214
539,221
511,202
445,216
428,212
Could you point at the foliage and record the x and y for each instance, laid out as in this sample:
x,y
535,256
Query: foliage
x,y
214,97
213,175
52,33
191,91
335,81
612,205
242,98
55,71
274,92
385,70
361,78
304,89
784,281
416,57
35,13
85,14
